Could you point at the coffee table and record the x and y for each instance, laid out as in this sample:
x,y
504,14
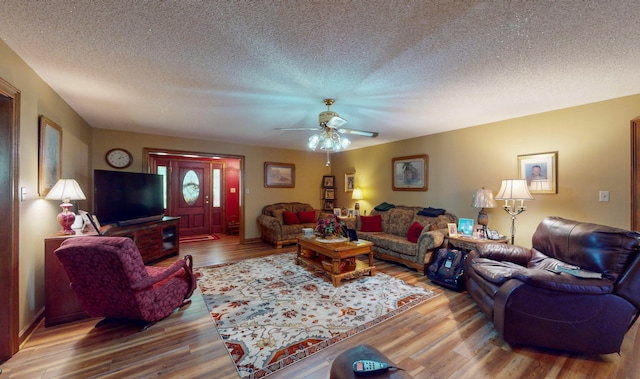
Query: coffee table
x,y
312,253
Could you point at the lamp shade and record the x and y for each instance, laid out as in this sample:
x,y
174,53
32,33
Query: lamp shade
x,y
514,189
66,190
483,198
357,194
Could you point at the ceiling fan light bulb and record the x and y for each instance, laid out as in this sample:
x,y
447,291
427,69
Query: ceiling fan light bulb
x,y
313,142
345,143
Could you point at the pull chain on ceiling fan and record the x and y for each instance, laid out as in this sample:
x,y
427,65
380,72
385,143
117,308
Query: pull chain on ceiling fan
x,y
329,137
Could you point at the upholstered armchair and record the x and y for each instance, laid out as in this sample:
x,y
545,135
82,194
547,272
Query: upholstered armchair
x,y
532,301
109,278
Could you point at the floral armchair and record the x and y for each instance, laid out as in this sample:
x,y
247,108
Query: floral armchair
x,y
109,278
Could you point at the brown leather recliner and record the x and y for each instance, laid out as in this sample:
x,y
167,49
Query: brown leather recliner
x,y
531,302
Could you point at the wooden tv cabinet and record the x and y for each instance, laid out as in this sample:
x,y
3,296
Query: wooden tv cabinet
x,y
155,240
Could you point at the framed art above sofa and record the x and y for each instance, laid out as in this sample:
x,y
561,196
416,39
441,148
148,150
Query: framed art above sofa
x,y
410,173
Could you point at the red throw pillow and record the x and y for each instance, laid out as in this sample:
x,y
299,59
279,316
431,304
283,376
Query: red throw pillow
x,y
371,223
306,217
414,232
290,218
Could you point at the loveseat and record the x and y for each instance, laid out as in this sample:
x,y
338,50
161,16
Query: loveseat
x,y
401,235
281,223
531,300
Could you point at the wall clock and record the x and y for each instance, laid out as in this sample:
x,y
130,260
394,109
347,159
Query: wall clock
x,y
118,158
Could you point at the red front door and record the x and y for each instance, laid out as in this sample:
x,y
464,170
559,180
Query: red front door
x,y
191,196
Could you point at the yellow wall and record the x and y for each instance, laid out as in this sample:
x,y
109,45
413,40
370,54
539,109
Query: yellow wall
x,y
593,148
309,167
38,216
592,142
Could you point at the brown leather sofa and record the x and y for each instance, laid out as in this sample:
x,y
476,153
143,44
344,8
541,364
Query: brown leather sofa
x,y
531,302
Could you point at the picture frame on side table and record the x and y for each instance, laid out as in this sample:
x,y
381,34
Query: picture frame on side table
x,y
453,229
410,173
337,212
49,155
349,181
465,227
279,175
540,171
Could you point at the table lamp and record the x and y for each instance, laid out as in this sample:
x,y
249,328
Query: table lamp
x,y
357,195
483,198
510,191
66,190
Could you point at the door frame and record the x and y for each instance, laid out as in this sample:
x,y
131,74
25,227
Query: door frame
x,y
146,157
9,253
635,173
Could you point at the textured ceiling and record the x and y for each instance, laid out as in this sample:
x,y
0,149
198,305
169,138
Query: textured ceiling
x,y
236,70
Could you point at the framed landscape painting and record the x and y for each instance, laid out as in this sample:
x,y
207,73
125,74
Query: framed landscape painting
x,y
279,175
50,155
410,173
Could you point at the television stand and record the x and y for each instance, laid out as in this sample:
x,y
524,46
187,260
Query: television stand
x,y
155,239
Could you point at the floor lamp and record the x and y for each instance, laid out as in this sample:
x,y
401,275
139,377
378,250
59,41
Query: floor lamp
x,y
510,191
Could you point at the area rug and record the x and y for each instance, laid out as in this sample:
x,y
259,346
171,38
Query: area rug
x,y
199,238
272,313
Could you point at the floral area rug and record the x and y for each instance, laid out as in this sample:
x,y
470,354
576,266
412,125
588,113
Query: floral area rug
x,y
272,313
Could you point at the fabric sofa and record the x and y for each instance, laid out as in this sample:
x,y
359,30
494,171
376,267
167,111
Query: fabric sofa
x,y
401,235
531,300
279,227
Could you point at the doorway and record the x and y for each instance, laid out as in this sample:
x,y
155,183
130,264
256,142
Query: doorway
x,y
204,190
9,274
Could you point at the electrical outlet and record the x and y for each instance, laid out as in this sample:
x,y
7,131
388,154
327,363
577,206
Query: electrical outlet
x,y
604,196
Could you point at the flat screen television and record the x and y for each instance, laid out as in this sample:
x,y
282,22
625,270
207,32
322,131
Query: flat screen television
x,y
127,198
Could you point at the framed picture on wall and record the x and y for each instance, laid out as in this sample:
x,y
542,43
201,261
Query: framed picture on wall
x,y
279,175
410,173
540,171
328,181
49,156
349,181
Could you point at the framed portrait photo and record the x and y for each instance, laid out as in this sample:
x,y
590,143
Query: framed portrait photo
x,y
349,181
279,175
410,173
329,193
540,171
328,181
465,227
452,228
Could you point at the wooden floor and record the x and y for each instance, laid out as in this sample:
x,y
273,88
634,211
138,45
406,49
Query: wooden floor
x,y
446,337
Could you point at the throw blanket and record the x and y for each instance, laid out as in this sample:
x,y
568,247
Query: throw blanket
x,y
384,207
431,212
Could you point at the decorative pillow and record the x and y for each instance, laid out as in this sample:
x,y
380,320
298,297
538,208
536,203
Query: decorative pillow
x,y
371,223
307,217
414,232
277,213
290,218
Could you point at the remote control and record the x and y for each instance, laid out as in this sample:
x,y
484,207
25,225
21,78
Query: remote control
x,y
368,366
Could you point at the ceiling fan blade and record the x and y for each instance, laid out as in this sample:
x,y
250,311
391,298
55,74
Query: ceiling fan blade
x,y
363,133
336,122
298,129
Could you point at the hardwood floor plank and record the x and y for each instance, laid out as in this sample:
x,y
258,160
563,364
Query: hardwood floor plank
x,y
445,337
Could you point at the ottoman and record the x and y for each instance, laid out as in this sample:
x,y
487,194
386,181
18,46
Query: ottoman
x,y
342,366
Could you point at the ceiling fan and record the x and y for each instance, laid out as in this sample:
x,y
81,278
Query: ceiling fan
x,y
329,130
330,119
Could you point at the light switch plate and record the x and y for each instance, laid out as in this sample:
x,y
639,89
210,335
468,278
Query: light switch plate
x,y
603,196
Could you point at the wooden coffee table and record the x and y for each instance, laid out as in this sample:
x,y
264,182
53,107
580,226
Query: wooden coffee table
x,y
312,253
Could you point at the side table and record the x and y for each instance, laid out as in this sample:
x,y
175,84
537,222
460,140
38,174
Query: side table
x,y
467,244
